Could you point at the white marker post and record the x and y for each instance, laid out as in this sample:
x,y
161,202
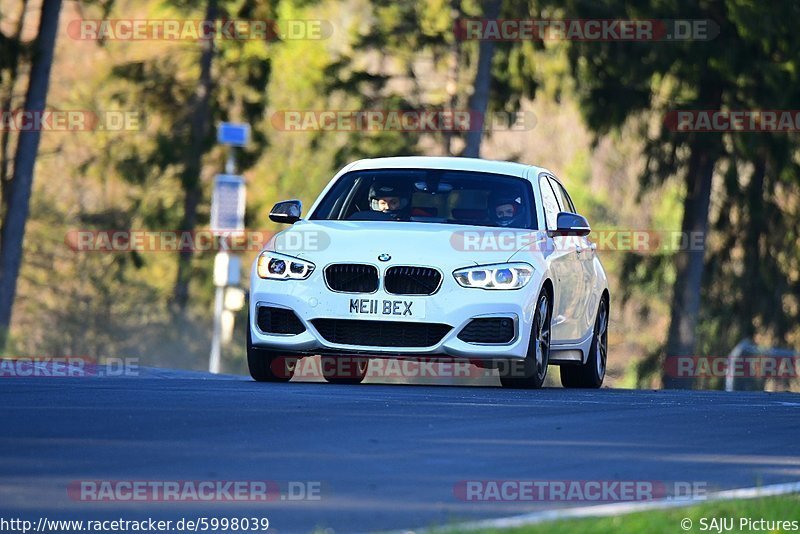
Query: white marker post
x,y
227,216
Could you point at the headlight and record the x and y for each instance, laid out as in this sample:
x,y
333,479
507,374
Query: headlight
x,y
498,276
275,266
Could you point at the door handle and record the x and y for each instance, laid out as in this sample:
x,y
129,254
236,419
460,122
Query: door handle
x,y
578,249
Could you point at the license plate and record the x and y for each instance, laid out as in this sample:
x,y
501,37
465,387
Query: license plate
x,y
389,308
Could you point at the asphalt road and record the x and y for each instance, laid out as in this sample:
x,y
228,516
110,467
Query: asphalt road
x,y
386,456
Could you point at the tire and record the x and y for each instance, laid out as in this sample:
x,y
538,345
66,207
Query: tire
x,y
344,370
532,371
268,366
590,375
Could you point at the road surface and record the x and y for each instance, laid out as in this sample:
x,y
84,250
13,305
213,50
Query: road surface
x,y
372,457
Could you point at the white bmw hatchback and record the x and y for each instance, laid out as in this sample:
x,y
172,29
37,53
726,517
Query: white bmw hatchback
x,y
421,257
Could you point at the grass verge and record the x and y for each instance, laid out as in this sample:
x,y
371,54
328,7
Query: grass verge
x,y
770,509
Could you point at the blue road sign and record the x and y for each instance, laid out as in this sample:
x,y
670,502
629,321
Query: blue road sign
x,y
233,134
228,203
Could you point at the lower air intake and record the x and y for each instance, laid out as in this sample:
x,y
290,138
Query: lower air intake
x,y
380,333
489,330
272,320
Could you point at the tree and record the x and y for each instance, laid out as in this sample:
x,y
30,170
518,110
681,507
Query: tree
x,y
479,100
190,178
759,252
188,93
620,80
15,217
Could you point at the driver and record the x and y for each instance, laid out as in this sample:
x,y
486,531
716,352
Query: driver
x,y
388,197
506,211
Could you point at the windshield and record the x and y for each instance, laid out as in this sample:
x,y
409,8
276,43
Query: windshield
x,y
432,196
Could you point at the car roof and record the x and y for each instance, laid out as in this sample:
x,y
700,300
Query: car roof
x,y
508,168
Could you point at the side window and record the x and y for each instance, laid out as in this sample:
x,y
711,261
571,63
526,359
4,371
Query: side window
x,y
549,202
563,197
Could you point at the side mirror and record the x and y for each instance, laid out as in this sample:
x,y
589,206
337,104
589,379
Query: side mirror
x,y
571,224
286,212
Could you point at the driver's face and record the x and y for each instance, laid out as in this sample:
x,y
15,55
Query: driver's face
x,y
504,211
389,203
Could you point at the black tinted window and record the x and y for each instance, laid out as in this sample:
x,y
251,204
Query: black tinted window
x,y
433,196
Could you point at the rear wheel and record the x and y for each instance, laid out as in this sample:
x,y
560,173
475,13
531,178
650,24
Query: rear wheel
x,y
268,366
591,374
344,370
531,372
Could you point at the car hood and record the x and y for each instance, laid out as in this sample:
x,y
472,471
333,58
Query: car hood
x,y
407,243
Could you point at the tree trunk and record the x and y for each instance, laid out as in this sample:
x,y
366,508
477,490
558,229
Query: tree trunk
x,y
19,190
479,101
190,179
689,261
452,77
7,102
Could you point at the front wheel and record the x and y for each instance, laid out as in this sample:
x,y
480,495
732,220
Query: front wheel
x,y
531,372
268,366
590,375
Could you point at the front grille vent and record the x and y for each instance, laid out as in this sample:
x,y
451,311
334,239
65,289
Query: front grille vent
x,y
352,278
407,280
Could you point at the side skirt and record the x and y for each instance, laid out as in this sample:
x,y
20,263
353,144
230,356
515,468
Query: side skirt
x,y
574,353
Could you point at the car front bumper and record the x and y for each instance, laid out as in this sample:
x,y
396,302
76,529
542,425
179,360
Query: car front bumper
x,y
451,305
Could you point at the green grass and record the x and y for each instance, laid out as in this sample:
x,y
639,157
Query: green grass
x,y
784,508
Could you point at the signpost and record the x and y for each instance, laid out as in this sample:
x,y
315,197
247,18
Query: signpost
x,y
227,216
233,134
228,204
